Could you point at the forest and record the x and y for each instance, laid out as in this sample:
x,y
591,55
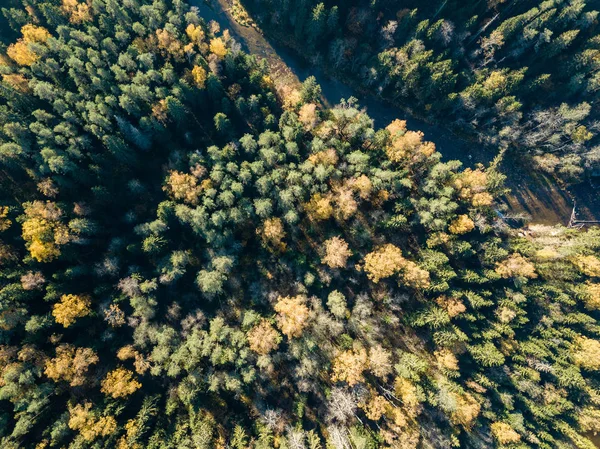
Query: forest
x,y
523,75
191,260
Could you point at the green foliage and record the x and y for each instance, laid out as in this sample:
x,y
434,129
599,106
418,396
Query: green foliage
x,y
215,257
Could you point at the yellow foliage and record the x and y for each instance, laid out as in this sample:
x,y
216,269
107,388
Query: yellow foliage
x,y
336,253
346,204
414,276
587,353
70,364
32,33
272,234
89,426
383,262
409,145
467,410
195,33
319,207
5,222
308,116
588,265
349,366
169,44
199,76
363,185
120,383
16,81
183,186
376,407
472,186
78,11
325,157
42,230
516,266
387,261
396,128
408,394
292,315
446,359
21,54
482,199
263,338
70,308
20,51
140,363
592,299
380,361
217,46
461,225
504,433
453,306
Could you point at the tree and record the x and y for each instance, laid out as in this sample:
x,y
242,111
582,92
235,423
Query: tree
x,y
586,353
384,262
336,302
69,308
349,366
272,234
516,266
336,253
292,315
263,338
71,364
120,383
504,433
461,225
310,91
89,425
199,76
43,231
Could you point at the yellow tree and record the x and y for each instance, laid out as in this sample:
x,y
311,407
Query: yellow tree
x,y
516,266
78,11
407,145
461,225
592,296
120,383
199,76
319,208
263,338
349,366
43,231
380,361
272,234
71,364
504,433
384,262
20,51
336,253
586,353
217,47
292,315
308,115
184,187
69,308
588,265
472,186
466,411
88,424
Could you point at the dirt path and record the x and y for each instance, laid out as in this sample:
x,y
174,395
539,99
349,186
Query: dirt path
x,y
533,194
